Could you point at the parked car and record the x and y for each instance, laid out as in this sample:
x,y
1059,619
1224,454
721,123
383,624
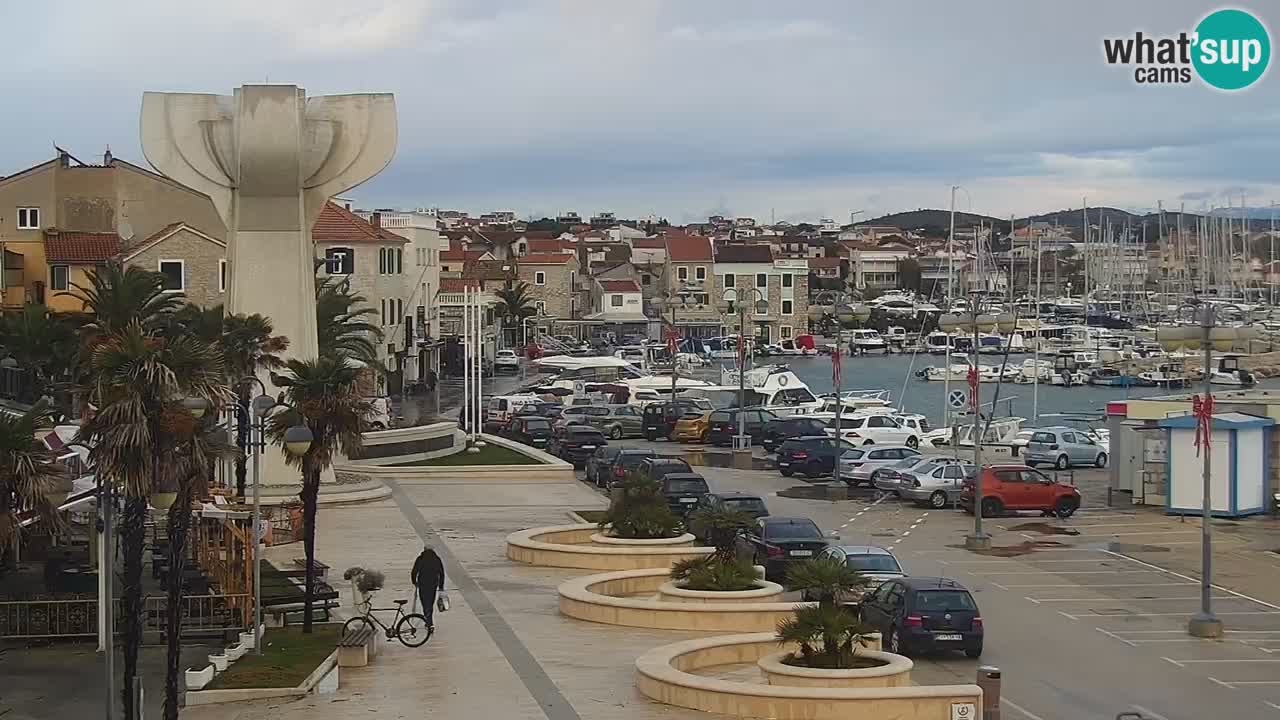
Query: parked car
x,y
599,464
924,614
1064,447
692,426
580,415
937,485
890,478
531,430
683,491
856,465
625,462
656,468
506,360
723,425
752,505
785,428
618,422
576,444
875,563
660,418
873,430
542,408
777,542
1018,487
813,456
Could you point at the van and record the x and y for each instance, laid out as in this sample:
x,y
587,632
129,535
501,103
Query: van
x,y
501,408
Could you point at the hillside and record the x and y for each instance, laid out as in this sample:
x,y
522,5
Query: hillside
x,y
933,222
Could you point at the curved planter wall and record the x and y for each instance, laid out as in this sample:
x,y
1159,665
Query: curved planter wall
x,y
895,672
602,539
764,592
663,674
610,598
570,546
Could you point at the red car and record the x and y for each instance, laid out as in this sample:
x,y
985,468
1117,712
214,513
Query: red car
x,y
1018,487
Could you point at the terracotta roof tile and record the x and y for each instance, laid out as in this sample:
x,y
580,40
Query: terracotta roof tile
x,y
546,259
619,286
80,247
538,246
824,262
461,255
455,285
336,223
688,248
649,243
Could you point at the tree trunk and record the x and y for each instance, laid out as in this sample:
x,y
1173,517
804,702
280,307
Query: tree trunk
x,y
179,522
242,440
134,536
310,495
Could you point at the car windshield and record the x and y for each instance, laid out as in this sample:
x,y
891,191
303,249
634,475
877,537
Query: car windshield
x,y
633,459
537,424
873,563
944,601
854,454
721,416
686,485
748,505
792,530
586,436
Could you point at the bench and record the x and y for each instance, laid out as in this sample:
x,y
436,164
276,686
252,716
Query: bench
x,y
322,570
357,647
289,606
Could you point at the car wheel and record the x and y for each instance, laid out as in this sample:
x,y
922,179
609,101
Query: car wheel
x,y
786,472
1065,507
895,642
1101,461
973,652
616,432
869,442
813,470
703,437
913,442
1062,462
938,500
992,507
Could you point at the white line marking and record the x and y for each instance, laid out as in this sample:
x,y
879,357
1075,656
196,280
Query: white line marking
x,y
906,533
1148,532
1173,632
1134,600
943,562
1271,704
1228,686
1194,580
1104,631
1033,600
1149,713
1231,660
1175,662
1058,572
1125,585
1002,587
1029,562
1177,614
1233,683
1068,616
1030,715
1170,640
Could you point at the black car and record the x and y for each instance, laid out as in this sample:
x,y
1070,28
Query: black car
x,y
683,491
656,468
812,456
532,430
598,464
542,408
752,505
776,431
660,417
624,462
924,614
777,542
722,426
576,444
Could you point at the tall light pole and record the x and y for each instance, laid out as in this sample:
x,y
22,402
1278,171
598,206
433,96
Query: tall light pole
x,y
1204,623
979,540
259,408
742,441
683,295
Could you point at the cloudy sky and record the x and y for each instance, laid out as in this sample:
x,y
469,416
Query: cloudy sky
x,y
680,108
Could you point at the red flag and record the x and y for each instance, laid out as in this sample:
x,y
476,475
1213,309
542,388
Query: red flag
x,y
1202,409
835,366
973,388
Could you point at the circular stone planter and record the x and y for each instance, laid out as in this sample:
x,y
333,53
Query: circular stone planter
x,y
571,546
603,539
894,671
764,591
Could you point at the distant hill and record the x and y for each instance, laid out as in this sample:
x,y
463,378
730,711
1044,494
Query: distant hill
x,y
934,222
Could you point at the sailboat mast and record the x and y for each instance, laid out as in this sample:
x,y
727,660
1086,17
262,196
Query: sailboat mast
x,y
1035,386
1271,283
1084,204
951,270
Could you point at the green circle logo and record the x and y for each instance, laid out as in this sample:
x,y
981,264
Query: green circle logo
x,y
1232,49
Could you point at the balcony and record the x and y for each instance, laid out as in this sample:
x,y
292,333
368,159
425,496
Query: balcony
x,y
456,299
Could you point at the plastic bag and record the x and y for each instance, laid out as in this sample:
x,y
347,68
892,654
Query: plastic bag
x,y
442,602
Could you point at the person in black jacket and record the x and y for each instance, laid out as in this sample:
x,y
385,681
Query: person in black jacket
x,y
428,577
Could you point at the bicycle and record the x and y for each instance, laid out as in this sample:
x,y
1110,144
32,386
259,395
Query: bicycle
x,y
411,629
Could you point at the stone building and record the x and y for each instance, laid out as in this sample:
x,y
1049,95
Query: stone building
x,y
555,283
751,272
193,262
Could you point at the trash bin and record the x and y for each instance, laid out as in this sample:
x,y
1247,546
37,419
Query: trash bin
x,y
989,681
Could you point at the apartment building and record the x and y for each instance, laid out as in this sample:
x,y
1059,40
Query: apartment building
x,y
690,265
752,273
426,243
876,267
555,283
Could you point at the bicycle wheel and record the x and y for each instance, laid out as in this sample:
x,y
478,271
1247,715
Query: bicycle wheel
x,y
413,631
356,623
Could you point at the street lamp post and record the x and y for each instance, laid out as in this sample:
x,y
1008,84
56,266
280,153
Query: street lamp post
x,y
742,441
683,294
979,540
1204,623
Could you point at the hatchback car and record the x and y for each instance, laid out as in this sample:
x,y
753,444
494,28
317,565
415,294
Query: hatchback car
x,y
530,430
683,491
626,461
812,456
619,421
579,415
656,468
506,360
777,542
874,563
924,614
692,426
576,444
857,465
785,428
894,478
723,425
1017,487
1064,447
937,485
660,418
599,463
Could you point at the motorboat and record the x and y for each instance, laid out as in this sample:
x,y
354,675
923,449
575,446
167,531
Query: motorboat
x,y
896,336
1230,373
1111,377
865,341
775,388
938,343
1068,306
1032,371
991,344
1168,375
800,345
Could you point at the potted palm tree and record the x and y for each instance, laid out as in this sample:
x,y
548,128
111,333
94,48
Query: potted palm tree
x,y
639,511
721,576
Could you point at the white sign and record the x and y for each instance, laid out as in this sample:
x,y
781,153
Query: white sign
x,y
958,399
964,711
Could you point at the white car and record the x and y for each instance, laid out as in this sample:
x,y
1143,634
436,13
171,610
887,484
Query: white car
x,y
506,360
873,430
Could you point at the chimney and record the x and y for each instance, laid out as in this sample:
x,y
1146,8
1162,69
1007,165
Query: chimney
x,y
106,157
376,220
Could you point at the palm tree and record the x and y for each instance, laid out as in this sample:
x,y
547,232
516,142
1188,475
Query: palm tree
x,y
828,625
27,469
41,342
323,396
721,527
248,346
514,305
341,325
825,579
118,296
205,323
640,511
139,381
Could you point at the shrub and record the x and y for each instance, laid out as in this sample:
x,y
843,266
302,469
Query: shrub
x,y
639,511
825,579
721,527
712,573
828,636
366,581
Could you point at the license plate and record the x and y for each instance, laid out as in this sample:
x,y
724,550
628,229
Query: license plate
x,y
688,500
801,553
588,447
948,637
784,464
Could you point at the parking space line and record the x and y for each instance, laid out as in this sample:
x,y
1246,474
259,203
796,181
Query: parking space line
x,y
1226,660
1027,713
1233,683
1175,662
1057,572
1272,705
1149,532
1068,615
1030,562
1107,632
1122,585
1150,713
1178,614
1228,686
1094,600
1194,580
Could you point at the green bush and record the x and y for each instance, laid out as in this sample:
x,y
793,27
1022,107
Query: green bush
x,y
712,573
828,634
639,511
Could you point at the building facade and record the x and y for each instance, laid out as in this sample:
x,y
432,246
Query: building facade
x,y
422,260
752,273
555,284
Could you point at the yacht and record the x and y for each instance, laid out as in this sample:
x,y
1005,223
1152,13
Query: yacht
x,y
865,341
1111,377
1068,306
775,388
991,344
801,345
1169,375
1229,372
938,343
1036,370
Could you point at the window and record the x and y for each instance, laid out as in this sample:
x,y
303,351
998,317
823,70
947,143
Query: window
x,y
700,274
682,274
174,275
762,281
222,275
787,305
784,332
615,301
58,277
539,278
646,279
28,218
788,280
390,261
729,280
541,307
340,261
384,312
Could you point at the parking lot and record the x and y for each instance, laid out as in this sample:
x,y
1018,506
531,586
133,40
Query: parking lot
x,y
1080,614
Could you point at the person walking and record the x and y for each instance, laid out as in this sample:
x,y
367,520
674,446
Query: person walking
x,y
428,577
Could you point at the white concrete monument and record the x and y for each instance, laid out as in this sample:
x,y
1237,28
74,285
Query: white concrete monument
x,y
270,157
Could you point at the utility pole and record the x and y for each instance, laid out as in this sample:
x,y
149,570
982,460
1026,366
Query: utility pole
x,y
1205,624
951,271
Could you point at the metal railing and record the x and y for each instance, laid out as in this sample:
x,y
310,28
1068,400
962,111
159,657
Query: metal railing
x,y
79,617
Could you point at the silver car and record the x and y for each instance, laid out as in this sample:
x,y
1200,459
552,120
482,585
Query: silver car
x,y
875,563
620,421
1064,447
937,485
891,478
857,465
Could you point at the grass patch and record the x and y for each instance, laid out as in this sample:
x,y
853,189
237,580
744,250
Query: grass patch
x,y
592,516
288,657
490,454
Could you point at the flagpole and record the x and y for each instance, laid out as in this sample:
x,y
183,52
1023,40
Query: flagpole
x,y
835,379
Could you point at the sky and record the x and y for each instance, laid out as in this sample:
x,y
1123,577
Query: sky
x,y
681,108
